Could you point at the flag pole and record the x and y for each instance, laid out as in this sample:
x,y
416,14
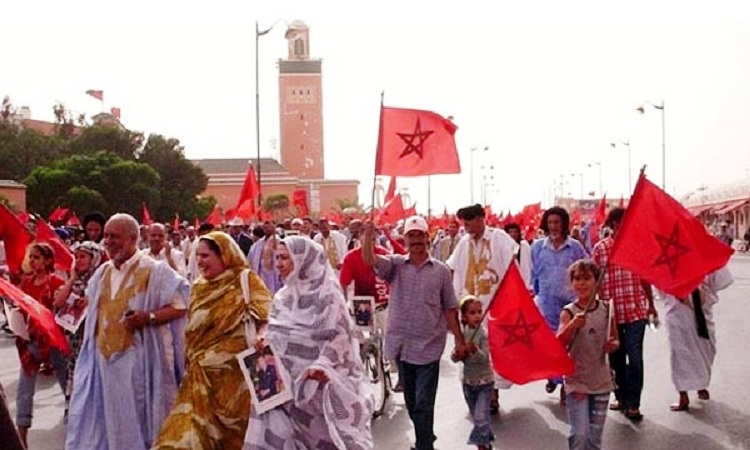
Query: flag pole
x,y
377,155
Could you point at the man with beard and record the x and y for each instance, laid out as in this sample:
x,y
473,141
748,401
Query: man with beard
x,y
261,257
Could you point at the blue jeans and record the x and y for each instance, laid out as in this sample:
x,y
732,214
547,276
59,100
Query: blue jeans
x,y
420,390
478,398
27,384
627,362
586,413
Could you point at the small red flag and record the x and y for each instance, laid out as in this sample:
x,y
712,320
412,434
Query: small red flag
x,y
58,214
299,199
393,211
398,248
196,223
598,220
73,221
63,257
661,242
146,216
97,94
391,191
176,223
40,318
414,142
16,238
215,217
24,217
411,211
522,346
115,112
246,204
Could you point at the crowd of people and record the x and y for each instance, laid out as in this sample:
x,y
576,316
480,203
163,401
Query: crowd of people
x,y
160,319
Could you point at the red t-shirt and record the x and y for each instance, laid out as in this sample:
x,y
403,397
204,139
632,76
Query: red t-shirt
x,y
43,293
354,268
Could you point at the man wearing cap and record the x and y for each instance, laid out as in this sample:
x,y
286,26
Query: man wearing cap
x,y
479,262
333,242
422,308
239,236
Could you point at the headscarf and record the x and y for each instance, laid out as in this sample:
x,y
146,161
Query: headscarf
x,y
95,250
234,262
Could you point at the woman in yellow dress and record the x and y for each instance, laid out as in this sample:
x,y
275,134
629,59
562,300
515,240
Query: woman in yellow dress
x,y
213,404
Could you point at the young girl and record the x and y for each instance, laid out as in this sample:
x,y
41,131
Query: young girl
x,y
588,331
478,378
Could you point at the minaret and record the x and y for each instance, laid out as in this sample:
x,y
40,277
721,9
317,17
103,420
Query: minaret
x,y
301,107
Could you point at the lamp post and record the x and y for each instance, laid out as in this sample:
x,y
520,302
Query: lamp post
x,y
630,171
641,110
599,165
484,183
471,171
290,33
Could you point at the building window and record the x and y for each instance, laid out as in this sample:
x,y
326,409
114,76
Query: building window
x,y
299,47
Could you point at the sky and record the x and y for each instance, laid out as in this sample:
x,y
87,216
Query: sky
x,y
546,87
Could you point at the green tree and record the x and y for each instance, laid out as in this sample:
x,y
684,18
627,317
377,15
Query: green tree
x,y
123,143
100,181
204,206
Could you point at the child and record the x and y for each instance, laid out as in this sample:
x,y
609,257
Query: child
x,y
478,380
587,330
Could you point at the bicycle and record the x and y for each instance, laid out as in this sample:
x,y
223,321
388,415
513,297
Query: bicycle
x,y
377,369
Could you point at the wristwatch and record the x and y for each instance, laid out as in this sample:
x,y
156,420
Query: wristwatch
x,y
151,319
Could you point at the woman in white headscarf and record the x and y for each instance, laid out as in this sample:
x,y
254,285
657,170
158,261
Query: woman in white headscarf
x,y
311,331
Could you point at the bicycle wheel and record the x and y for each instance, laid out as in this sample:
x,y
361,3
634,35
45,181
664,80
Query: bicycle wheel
x,y
376,376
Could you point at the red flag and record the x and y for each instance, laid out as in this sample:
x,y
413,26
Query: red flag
x,y
16,238
411,211
97,94
299,199
391,191
246,204
58,214
622,202
176,223
393,211
63,257
146,216
522,346
413,142
73,221
115,112
196,223
215,217
40,318
24,217
598,220
661,242
398,248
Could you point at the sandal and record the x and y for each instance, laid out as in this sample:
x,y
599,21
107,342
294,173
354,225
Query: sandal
x,y
703,394
634,414
679,407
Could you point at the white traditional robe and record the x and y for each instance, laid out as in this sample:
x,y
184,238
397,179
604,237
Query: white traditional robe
x,y
339,241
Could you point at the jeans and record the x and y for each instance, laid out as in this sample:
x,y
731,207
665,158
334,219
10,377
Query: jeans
x,y
27,384
627,362
420,390
478,398
586,413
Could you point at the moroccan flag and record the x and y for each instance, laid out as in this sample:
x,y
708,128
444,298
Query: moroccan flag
x,y
411,211
24,217
391,191
146,216
39,317
215,217
522,346
16,238
115,113
393,211
299,199
246,204
661,242
73,221
413,142
398,248
97,94
63,256
58,214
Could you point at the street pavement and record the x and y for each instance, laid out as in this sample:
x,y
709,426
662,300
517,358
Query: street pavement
x,y
529,417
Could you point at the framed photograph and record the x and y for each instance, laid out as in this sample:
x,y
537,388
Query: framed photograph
x,y
16,321
71,315
269,383
363,307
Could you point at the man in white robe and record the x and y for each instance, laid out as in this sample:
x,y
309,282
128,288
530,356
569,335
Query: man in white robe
x,y
334,243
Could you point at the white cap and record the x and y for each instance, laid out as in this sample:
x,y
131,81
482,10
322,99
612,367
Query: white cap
x,y
415,223
297,221
236,222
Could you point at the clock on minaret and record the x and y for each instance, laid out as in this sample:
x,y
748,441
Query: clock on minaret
x,y
301,108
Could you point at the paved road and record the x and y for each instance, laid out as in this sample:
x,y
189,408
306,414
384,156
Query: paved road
x,y
531,418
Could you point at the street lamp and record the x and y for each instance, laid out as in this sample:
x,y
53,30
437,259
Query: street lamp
x,y
598,164
641,110
484,181
579,175
630,171
471,171
290,33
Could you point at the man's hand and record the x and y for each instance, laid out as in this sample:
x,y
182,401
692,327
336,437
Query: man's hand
x,y
135,320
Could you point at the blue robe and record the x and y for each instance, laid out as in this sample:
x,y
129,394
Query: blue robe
x,y
270,277
120,403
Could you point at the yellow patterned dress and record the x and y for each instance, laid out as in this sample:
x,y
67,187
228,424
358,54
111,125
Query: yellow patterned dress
x,y
213,404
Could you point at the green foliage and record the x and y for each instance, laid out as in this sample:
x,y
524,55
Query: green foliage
x,y
123,143
204,206
276,202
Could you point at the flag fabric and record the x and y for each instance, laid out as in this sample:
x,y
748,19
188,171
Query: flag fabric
x,y
397,247
663,243
522,346
410,211
15,237
24,217
73,221
145,215
40,318
115,112
58,214
97,94
63,256
196,223
215,217
393,211
299,199
414,142
391,191
176,223
246,204
597,221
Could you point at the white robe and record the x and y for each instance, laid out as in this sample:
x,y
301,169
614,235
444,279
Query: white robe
x,y
692,356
